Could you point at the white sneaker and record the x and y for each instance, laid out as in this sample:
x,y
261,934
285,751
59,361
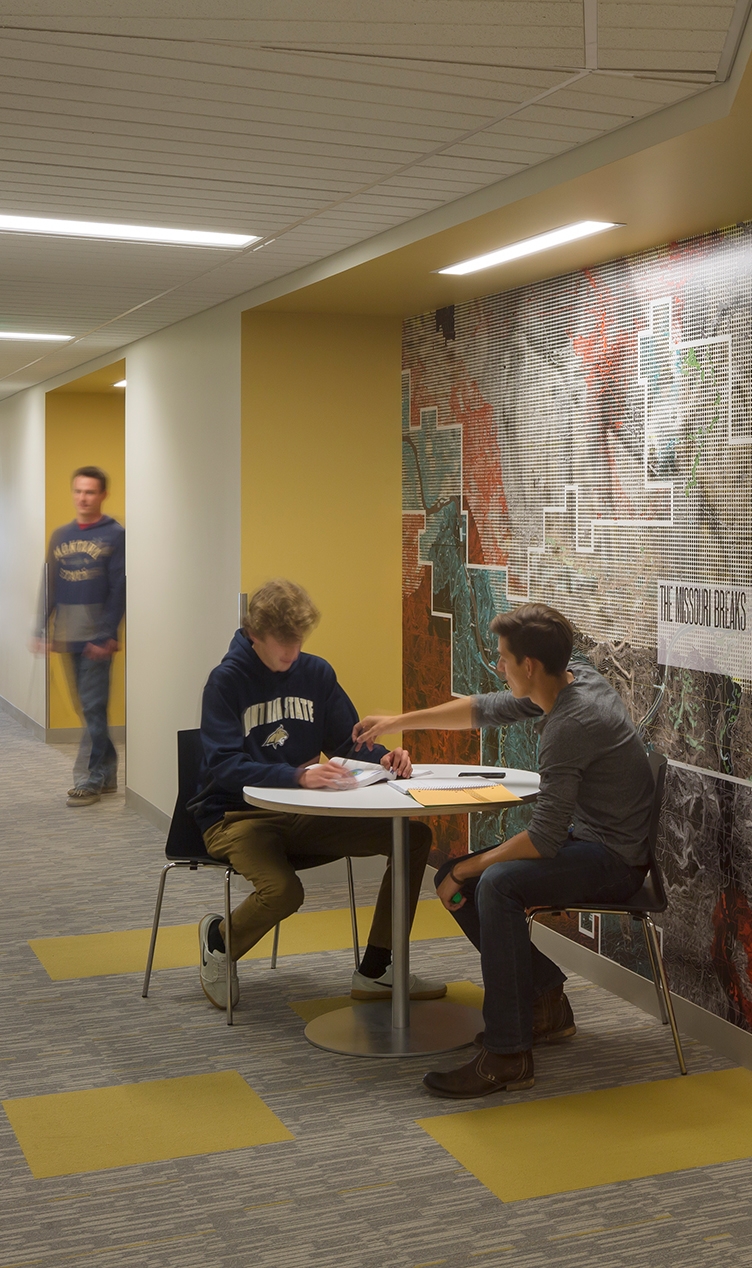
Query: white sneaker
x,y
214,968
381,987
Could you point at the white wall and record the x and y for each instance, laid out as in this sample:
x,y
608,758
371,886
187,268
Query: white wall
x,y
22,548
182,460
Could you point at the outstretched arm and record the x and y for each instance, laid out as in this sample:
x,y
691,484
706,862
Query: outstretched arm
x,y
455,715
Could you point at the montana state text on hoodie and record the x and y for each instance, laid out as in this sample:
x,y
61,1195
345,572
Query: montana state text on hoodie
x,y
85,584
292,717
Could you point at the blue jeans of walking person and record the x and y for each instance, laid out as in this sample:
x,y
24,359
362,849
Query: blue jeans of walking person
x,y
95,767
515,972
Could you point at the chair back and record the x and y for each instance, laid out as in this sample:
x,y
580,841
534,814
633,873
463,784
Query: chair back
x,y
654,879
184,840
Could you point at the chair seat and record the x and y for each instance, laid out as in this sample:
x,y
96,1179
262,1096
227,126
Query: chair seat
x,y
646,899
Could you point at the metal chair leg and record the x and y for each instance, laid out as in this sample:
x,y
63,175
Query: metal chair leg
x,y
650,926
353,912
155,928
228,947
654,971
275,946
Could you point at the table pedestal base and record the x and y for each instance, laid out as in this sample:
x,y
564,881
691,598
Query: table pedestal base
x,y
365,1030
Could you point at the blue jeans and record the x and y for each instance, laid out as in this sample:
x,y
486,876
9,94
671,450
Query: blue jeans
x,y
515,972
89,680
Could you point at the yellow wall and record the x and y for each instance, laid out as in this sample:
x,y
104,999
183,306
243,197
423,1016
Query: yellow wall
x,y
321,484
83,429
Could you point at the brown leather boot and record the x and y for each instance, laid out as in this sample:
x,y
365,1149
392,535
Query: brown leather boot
x,y
553,1019
488,1072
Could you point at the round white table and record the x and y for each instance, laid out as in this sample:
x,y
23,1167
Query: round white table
x,y
393,1028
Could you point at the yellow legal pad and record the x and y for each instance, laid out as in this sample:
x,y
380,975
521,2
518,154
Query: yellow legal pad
x,y
466,993
70,1132
124,951
535,1148
495,794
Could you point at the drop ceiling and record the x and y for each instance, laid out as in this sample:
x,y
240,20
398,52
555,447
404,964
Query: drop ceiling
x,y
315,127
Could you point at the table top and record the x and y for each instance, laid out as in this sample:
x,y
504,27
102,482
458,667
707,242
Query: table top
x,y
379,801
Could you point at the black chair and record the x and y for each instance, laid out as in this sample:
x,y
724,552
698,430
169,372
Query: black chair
x,y
649,900
185,847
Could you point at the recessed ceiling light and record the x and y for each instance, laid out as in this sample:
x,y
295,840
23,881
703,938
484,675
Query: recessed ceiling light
x,y
20,334
121,383
124,233
528,246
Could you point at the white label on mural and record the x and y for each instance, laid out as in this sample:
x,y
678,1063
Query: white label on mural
x,y
705,627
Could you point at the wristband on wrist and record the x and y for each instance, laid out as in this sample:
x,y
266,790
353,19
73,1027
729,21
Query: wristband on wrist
x,y
456,879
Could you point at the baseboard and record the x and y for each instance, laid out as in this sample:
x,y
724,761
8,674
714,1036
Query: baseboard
x,y
147,811
692,1020
74,734
26,722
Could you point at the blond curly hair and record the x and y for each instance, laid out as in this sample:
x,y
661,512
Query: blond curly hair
x,y
283,609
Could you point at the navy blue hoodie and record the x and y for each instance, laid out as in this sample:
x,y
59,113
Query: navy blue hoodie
x,y
85,584
292,717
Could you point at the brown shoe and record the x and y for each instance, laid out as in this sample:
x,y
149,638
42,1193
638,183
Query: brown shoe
x,y
488,1072
553,1019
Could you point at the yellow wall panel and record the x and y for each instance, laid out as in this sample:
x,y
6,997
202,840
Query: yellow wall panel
x,y
83,429
321,484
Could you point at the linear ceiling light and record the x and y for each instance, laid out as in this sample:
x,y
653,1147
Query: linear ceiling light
x,y
20,334
121,383
124,233
528,246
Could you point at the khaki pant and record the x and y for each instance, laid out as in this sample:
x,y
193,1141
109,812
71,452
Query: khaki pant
x,y
270,848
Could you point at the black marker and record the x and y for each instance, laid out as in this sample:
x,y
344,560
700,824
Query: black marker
x,y
481,774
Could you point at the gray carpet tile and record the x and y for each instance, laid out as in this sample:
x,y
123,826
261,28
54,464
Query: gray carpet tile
x,y
361,1186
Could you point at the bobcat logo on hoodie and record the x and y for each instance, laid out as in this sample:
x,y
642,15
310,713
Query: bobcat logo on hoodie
x,y
276,739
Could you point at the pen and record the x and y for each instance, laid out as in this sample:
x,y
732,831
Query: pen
x,y
482,774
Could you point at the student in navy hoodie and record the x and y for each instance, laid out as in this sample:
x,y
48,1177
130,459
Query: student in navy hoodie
x,y
82,606
269,712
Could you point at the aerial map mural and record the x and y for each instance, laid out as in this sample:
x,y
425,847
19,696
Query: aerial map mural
x,y
587,441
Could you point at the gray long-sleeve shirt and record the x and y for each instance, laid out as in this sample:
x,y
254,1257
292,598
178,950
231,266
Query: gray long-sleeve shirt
x,y
595,775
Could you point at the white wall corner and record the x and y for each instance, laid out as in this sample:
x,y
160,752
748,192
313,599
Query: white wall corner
x,y
182,455
22,550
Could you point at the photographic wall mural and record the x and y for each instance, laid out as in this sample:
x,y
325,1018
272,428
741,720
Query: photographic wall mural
x,y
587,441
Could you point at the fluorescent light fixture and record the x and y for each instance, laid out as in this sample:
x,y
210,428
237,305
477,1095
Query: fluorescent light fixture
x,y
124,233
34,338
528,246
121,383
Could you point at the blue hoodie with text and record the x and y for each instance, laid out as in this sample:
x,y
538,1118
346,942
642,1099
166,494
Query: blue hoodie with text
x,y
85,596
292,717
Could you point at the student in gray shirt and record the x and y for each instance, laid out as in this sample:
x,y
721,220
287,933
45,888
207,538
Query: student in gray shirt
x,y
586,841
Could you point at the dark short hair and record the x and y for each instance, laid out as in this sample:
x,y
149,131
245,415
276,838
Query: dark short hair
x,y
538,631
92,473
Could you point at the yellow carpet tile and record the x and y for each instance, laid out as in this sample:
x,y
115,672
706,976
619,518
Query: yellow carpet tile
x,y
535,1148
72,1132
124,951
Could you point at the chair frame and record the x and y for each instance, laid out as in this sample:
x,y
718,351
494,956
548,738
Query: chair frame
x,y
199,857
654,891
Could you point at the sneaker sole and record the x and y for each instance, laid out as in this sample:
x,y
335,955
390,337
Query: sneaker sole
x,y
387,994
222,1007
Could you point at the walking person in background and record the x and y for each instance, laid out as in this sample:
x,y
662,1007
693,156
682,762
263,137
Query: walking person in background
x,y
83,602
